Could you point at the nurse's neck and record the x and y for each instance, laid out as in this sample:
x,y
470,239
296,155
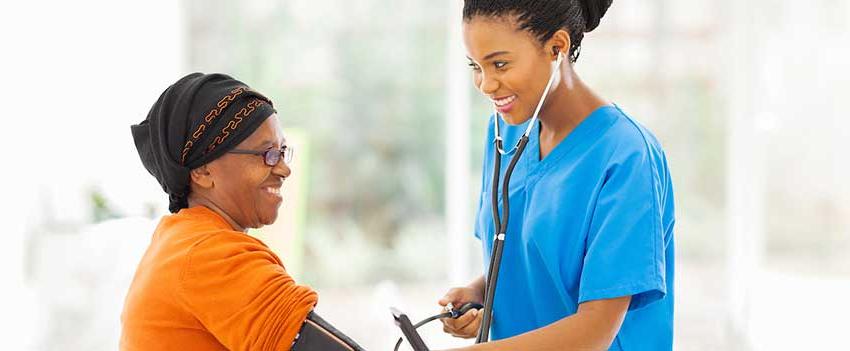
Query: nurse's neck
x,y
569,103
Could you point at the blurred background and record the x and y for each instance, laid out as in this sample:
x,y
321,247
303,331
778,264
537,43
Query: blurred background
x,y
744,96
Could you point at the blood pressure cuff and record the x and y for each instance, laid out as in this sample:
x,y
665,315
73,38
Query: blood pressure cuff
x,y
318,335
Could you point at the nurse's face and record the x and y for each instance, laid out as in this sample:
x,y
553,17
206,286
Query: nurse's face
x,y
510,66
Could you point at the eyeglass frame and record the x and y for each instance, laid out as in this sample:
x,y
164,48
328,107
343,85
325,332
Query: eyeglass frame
x,y
286,153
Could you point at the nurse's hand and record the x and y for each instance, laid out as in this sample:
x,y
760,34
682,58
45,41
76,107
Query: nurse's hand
x,y
466,326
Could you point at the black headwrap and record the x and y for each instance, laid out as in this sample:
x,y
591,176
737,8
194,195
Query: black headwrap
x,y
193,122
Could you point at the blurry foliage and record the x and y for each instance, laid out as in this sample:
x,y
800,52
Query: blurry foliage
x,y
100,208
370,94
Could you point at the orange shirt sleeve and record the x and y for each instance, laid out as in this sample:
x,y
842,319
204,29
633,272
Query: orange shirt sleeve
x,y
240,292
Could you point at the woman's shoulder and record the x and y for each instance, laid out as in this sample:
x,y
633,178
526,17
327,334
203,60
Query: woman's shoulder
x,y
629,137
228,242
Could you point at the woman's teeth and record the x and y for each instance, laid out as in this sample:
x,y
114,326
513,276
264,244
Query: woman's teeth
x,y
273,191
505,101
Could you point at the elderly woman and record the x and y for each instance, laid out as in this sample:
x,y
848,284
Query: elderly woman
x,y
216,148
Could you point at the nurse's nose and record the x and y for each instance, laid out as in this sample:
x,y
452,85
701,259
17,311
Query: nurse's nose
x,y
488,86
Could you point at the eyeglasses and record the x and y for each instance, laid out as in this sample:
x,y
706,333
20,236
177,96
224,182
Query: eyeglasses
x,y
270,157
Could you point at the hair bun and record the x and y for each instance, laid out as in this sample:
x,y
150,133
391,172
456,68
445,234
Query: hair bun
x,y
593,11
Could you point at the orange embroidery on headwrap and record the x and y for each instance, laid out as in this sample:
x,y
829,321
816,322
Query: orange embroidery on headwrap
x,y
208,118
245,112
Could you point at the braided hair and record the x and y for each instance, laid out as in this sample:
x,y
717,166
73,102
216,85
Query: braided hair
x,y
545,17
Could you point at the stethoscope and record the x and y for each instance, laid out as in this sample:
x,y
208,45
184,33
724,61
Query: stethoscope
x,y
500,224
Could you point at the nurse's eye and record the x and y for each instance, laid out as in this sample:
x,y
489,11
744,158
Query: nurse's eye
x,y
474,67
500,64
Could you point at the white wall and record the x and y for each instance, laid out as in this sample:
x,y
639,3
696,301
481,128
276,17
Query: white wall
x,y
75,75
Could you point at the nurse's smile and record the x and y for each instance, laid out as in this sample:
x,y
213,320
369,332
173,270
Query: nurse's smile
x,y
504,104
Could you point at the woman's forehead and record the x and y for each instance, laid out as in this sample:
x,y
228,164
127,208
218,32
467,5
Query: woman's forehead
x,y
484,36
269,133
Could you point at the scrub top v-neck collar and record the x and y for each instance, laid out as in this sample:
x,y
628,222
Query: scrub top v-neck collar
x,y
583,134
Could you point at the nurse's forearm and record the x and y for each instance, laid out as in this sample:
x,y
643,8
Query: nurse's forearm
x,y
593,327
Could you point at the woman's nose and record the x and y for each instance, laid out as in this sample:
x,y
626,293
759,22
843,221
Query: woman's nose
x,y
282,169
488,86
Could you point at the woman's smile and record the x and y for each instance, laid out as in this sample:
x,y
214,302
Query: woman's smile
x,y
504,103
273,192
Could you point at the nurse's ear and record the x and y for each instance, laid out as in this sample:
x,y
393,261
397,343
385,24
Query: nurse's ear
x,y
558,43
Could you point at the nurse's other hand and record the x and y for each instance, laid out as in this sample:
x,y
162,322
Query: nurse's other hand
x,y
467,325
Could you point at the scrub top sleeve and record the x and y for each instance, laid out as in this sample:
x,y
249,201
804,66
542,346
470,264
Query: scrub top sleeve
x,y
625,248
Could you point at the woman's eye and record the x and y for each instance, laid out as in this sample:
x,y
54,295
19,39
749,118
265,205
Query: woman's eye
x,y
500,64
474,67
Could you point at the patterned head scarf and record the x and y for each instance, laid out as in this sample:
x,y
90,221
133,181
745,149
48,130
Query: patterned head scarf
x,y
194,121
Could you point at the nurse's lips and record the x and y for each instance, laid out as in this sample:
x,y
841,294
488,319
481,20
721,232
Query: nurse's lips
x,y
504,103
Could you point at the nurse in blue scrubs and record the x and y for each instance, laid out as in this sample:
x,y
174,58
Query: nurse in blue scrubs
x,y
588,261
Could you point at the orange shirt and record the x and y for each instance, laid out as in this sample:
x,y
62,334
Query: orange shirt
x,y
203,286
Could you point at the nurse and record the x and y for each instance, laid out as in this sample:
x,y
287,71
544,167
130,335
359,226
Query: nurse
x,y
588,260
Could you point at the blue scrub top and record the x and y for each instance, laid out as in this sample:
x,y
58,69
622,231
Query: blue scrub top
x,y
592,220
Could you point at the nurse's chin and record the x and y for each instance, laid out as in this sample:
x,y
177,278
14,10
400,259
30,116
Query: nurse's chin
x,y
513,120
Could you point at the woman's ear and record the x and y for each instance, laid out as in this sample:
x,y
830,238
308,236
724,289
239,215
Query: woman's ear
x,y
559,43
202,177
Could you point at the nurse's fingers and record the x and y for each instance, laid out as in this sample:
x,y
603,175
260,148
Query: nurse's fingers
x,y
451,325
463,329
459,334
471,329
454,295
462,336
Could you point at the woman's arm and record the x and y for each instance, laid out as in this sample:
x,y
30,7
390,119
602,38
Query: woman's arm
x,y
593,327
